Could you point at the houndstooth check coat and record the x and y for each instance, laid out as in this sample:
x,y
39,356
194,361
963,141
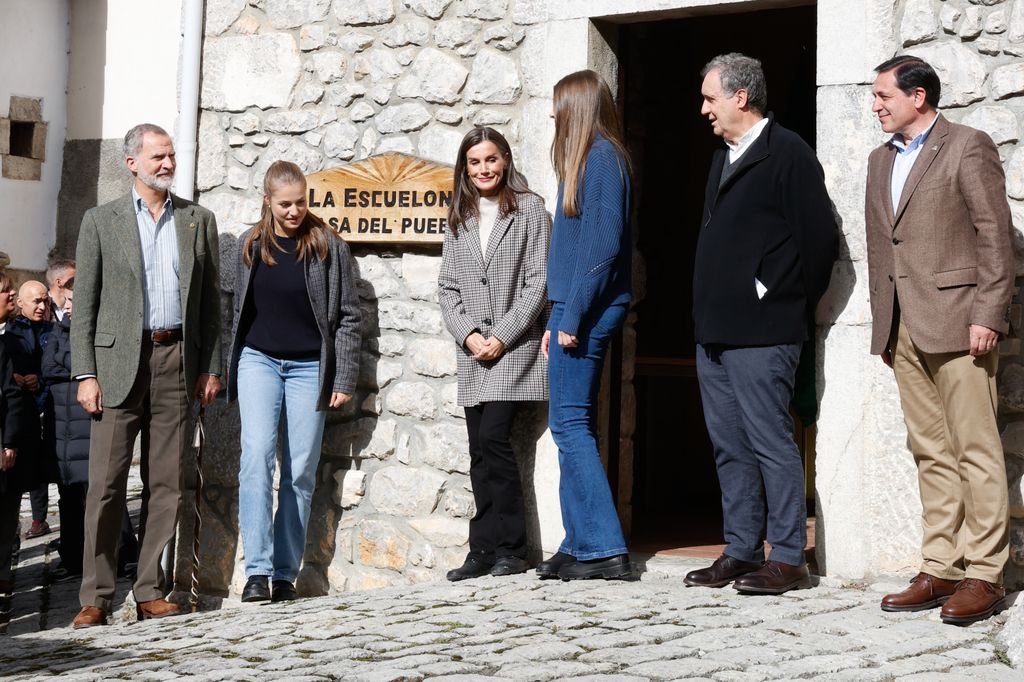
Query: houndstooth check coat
x,y
501,293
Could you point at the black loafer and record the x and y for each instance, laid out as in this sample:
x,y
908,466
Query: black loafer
x,y
256,589
612,568
509,565
474,567
549,568
723,571
283,591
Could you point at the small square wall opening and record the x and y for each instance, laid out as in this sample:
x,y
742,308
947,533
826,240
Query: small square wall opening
x,y
21,139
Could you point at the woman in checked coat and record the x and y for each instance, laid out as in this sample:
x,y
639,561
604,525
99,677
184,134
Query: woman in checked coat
x,y
493,297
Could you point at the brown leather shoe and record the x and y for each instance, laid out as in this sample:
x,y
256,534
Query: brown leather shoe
x,y
156,608
774,577
973,600
721,573
925,592
37,529
89,617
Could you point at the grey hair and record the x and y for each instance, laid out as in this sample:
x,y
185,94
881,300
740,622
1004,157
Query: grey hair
x,y
740,72
133,140
58,268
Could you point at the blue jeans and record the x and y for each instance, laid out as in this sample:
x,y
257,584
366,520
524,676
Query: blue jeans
x,y
273,393
592,529
746,393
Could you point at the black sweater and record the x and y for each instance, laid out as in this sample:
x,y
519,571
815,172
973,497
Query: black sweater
x,y
282,324
771,220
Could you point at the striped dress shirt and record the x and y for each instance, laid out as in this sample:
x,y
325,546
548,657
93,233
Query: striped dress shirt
x,y
162,301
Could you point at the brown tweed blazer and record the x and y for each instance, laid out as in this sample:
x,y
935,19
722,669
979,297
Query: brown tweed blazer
x,y
946,250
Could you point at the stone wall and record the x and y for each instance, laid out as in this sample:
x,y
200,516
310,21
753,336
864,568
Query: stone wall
x,y
324,83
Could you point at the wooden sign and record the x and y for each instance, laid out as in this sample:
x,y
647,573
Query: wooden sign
x,y
387,198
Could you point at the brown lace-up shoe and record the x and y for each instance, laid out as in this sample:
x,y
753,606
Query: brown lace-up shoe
x,y
973,600
89,617
156,608
774,577
925,592
721,573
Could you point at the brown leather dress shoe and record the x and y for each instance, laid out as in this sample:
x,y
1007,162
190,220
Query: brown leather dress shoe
x,y
89,617
721,573
925,592
973,600
774,577
156,608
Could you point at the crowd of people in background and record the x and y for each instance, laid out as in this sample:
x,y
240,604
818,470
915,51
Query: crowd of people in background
x,y
45,428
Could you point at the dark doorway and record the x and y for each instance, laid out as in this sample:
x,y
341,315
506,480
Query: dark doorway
x,y
675,497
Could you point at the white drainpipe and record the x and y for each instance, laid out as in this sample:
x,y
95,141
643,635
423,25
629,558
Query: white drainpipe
x,y
193,12
188,106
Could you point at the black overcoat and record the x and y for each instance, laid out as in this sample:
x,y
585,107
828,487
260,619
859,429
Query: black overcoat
x,y
771,220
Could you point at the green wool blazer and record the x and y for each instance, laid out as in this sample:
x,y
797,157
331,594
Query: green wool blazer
x,y
107,323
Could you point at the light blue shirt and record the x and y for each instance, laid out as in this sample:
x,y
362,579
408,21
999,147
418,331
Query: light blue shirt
x,y
906,155
162,295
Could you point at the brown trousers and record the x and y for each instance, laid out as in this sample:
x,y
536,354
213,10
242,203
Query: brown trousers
x,y
156,407
949,403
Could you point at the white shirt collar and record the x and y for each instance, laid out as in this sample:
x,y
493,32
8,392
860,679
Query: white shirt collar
x,y
140,204
747,139
897,139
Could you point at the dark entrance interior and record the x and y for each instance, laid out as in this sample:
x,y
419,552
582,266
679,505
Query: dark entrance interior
x,y
675,497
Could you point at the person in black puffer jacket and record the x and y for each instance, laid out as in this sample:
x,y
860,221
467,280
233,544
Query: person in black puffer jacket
x,y
10,437
70,427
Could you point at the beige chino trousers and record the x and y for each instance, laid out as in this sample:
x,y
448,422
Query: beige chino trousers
x,y
156,408
949,404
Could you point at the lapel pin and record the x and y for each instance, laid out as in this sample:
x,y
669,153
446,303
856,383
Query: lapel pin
x,y
192,225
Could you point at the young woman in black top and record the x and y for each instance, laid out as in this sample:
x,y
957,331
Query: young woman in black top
x,y
294,354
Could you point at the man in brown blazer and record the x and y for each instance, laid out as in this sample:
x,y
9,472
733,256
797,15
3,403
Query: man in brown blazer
x,y
941,271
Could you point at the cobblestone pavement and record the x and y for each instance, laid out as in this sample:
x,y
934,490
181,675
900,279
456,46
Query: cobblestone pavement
x,y
521,628
517,628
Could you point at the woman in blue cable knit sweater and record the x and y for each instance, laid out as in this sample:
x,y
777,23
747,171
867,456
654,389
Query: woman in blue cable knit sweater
x,y
589,283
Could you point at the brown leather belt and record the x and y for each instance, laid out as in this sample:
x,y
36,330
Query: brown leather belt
x,y
163,336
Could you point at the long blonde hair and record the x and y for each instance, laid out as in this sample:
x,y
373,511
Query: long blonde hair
x,y
312,234
583,107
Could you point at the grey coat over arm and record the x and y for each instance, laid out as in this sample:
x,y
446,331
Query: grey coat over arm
x,y
500,293
332,293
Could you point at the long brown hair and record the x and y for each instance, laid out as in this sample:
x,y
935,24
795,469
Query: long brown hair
x,y
312,235
466,198
583,107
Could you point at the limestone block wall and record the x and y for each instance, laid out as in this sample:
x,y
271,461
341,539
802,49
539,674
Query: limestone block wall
x,y
324,83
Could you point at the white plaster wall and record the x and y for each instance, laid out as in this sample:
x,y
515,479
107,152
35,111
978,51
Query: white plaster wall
x,y
33,63
112,41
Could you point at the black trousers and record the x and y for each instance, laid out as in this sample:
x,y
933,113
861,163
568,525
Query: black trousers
x,y
499,527
40,499
72,531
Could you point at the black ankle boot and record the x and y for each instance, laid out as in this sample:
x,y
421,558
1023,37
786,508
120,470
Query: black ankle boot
x,y
549,567
474,567
256,589
284,591
611,568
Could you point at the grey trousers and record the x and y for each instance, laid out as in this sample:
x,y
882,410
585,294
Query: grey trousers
x,y
156,408
746,393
